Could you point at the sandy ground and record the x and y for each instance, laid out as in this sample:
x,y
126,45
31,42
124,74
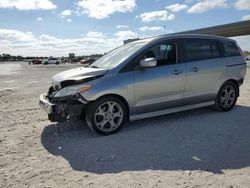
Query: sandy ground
x,y
198,148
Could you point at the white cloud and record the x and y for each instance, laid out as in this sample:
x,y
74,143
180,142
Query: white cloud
x,y
25,43
177,7
93,34
123,35
39,19
16,36
122,26
28,4
156,16
147,28
205,5
242,4
45,37
246,17
100,9
65,13
69,20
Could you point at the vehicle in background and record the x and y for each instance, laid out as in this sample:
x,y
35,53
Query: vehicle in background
x,y
87,62
51,60
149,77
248,58
35,62
63,60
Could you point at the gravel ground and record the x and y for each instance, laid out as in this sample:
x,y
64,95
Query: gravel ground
x,y
198,148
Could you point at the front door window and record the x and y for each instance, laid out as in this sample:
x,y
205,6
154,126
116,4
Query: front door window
x,y
164,53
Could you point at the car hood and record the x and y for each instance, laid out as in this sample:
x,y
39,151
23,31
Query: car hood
x,y
78,74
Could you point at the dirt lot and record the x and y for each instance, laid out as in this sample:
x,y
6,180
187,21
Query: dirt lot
x,y
199,148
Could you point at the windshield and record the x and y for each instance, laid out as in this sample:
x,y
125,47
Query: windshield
x,y
117,56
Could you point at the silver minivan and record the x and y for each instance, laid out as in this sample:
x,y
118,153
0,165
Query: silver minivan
x,y
149,77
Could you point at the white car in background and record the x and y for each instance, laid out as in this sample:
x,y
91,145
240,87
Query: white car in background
x,y
51,61
248,58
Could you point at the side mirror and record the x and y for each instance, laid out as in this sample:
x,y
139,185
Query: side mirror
x,y
148,62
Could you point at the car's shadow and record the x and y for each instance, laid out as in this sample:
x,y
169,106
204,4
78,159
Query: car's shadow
x,y
200,139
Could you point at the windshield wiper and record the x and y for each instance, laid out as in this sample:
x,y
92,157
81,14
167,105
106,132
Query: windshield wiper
x,y
93,66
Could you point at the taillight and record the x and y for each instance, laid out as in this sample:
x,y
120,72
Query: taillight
x,y
241,52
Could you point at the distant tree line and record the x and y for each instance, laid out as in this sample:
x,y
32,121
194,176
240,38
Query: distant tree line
x,y
8,57
74,59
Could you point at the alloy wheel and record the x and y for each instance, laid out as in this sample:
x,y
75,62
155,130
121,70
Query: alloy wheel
x,y
227,97
108,116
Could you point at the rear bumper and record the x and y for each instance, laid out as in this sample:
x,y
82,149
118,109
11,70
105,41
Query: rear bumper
x,y
59,112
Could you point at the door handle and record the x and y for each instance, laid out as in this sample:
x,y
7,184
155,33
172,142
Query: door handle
x,y
177,72
195,69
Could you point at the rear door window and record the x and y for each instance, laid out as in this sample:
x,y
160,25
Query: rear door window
x,y
196,49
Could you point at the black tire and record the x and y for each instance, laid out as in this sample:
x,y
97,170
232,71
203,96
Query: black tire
x,y
220,104
92,115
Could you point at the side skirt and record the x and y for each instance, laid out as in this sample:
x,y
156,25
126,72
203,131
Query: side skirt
x,y
170,111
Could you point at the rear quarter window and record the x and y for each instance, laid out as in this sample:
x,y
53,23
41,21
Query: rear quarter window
x,y
230,49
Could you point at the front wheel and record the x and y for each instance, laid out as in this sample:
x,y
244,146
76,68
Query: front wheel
x,y
106,115
227,97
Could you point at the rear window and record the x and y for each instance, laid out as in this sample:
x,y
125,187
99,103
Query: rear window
x,y
230,49
197,49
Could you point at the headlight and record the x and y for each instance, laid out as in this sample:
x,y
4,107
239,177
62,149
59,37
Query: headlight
x,y
72,90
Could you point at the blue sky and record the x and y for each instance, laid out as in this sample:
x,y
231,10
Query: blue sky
x,y
57,27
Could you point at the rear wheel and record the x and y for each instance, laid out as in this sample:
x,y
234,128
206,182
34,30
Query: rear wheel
x,y
106,115
227,97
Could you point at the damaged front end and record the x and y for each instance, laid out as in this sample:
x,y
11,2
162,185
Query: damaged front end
x,y
60,106
64,99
